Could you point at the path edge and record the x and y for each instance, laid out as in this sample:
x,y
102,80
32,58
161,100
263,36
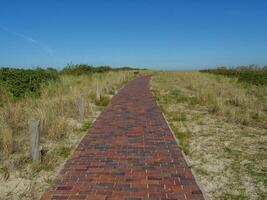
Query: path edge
x,y
199,184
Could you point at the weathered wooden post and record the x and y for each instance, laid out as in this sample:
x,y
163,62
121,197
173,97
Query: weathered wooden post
x,y
91,107
81,108
107,86
34,132
97,92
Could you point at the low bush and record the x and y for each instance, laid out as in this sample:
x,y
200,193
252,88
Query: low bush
x,y
80,69
104,100
28,82
25,82
83,69
246,74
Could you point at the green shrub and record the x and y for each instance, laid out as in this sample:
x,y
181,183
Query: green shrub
x,y
4,95
24,82
27,82
80,69
246,74
86,126
83,69
63,151
104,100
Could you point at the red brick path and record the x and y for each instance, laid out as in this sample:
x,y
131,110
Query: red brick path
x,y
128,154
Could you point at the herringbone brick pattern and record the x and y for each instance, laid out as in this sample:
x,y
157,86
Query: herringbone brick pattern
x,y
128,154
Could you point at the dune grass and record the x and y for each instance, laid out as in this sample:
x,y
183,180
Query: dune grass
x,y
221,125
57,109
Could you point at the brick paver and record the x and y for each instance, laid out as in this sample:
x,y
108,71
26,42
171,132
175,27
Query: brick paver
x,y
128,154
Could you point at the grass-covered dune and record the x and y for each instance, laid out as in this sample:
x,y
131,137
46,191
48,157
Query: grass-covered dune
x,y
220,121
52,97
245,74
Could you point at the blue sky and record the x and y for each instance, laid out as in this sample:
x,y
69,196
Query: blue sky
x,y
166,34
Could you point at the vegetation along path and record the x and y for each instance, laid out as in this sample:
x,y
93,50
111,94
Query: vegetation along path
x,y
130,153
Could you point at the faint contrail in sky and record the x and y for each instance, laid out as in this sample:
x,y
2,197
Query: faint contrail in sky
x,y
45,48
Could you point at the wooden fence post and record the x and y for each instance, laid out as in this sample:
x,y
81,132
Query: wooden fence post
x,y
81,108
107,86
97,92
34,132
